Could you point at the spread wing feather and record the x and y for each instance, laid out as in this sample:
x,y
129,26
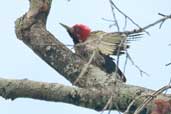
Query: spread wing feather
x,y
111,43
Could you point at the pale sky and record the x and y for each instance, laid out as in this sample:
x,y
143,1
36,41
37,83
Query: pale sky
x,y
17,61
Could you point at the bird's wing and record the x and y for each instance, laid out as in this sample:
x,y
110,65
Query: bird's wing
x,y
110,43
113,43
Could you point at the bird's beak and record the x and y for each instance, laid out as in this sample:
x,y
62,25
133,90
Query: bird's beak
x,y
65,26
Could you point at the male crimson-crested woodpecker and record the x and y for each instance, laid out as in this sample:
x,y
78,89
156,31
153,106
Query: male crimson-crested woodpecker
x,y
105,44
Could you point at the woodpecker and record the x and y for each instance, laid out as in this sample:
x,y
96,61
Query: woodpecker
x,y
105,44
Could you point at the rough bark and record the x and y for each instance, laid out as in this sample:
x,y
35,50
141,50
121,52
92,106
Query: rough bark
x,y
91,98
93,89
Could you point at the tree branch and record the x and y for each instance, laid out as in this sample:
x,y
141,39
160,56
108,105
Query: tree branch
x,y
90,98
31,29
12,89
162,20
96,89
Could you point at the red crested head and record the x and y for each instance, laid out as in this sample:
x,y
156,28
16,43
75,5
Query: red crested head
x,y
81,32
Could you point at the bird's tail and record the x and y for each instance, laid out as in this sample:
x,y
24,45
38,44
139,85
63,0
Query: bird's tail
x,y
134,36
120,75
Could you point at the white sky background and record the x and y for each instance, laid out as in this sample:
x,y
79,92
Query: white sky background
x,y
17,61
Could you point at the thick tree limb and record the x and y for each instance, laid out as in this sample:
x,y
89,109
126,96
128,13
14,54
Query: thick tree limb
x,y
90,98
12,89
31,29
97,88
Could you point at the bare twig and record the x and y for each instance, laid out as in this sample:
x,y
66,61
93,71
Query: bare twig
x,y
114,15
125,24
136,66
109,20
150,25
107,104
140,29
168,64
146,101
126,61
90,59
84,70
169,84
126,16
118,53
133,101
163,20
109,112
